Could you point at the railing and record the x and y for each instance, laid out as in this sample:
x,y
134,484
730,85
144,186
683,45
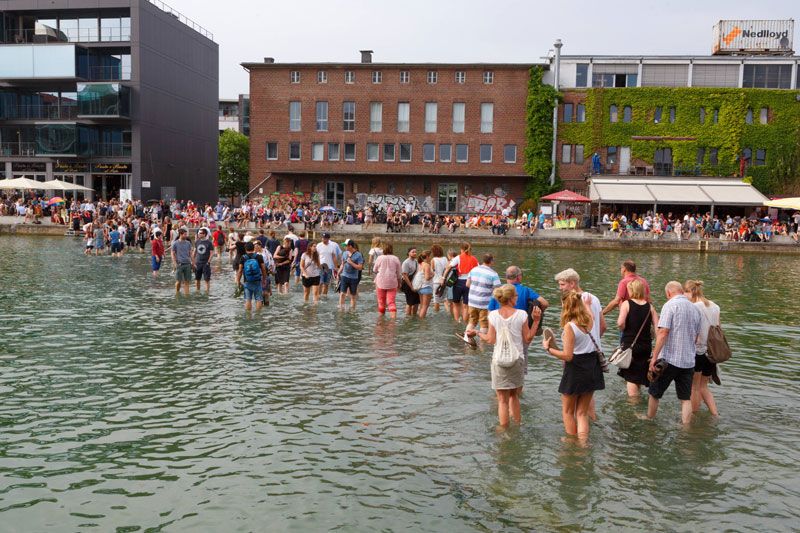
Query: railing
x,y
27,149
70,35
110,149
181,17
39,112
107,73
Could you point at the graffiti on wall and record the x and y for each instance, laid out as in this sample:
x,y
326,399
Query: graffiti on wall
x,y
423,204
482,204
286,199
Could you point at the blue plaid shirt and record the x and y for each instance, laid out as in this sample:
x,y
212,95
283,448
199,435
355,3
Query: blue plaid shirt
x,y
682,319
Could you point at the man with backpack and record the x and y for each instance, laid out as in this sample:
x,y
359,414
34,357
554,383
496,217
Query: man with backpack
x,y
218,238
249,274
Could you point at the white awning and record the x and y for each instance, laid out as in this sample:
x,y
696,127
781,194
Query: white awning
x,y
680,190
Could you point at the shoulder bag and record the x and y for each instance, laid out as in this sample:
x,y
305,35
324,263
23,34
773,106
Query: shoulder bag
x,y
601,357
621,358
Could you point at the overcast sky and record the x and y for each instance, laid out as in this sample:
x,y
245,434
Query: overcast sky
x,y
459,30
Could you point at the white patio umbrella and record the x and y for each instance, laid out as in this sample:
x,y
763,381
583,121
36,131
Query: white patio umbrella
x,y
22,183
58,185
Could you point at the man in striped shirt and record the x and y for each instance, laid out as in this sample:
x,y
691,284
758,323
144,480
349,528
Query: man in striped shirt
x,y
482,281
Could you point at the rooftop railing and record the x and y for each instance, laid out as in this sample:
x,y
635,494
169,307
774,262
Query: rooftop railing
x,y
181,17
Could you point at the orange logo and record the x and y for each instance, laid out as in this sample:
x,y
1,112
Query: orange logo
x,y
734,33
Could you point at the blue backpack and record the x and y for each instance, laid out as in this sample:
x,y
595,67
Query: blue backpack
x,y
252,270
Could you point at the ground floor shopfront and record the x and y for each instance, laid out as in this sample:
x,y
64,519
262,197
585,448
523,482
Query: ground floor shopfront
x,y
107,179
431,194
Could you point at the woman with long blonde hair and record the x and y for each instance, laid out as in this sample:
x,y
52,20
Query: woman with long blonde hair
x,y
582,372
704,369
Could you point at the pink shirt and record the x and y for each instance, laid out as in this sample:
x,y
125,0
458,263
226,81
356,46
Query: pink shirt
x,y
622,287
387,268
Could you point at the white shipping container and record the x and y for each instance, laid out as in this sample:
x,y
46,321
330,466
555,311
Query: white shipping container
x,y
753,36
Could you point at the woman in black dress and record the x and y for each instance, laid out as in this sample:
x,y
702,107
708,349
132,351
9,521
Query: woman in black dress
x,y
283,264
637,314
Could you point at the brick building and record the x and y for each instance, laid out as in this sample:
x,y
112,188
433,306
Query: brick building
x,y
447,137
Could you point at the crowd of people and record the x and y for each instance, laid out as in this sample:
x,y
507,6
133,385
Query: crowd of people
x,y
754,228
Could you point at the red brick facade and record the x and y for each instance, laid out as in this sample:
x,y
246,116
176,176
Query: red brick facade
x,y
481,186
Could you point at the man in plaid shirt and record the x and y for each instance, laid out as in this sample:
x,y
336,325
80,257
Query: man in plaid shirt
x,y
678,327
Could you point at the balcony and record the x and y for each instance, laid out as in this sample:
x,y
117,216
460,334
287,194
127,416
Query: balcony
x,y
38,112
104,100
35,149
18,149
45,34
62,62
109,150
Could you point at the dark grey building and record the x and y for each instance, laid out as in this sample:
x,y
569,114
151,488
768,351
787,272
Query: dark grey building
x,y
110,94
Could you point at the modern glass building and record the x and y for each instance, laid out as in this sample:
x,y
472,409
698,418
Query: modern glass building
x,y
116,95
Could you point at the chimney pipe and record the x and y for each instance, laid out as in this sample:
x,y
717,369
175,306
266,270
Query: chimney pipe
x,y
269,60
366,56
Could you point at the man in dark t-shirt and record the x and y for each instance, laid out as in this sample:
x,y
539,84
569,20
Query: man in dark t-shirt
x,y
203,252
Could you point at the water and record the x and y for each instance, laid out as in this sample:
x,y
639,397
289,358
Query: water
x,y
122,407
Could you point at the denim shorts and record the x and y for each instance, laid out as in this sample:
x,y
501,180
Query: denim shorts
x,y
346,284
425,290
155,263
325,277
253,291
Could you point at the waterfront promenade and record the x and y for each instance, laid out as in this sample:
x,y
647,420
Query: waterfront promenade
x,y
594,239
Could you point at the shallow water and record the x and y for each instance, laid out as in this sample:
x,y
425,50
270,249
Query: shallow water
x,y
124,407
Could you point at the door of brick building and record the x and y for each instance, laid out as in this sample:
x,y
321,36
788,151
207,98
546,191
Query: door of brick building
x,y
334,194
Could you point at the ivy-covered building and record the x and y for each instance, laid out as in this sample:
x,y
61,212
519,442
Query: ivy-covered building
x,y
680,116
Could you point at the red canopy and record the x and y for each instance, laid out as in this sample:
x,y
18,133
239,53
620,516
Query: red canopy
x,y
565,196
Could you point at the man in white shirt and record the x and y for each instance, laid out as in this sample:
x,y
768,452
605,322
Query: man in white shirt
x,y
329,257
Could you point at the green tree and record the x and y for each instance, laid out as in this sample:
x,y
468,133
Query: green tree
x,y
234,164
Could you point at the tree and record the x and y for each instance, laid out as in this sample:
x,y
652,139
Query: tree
x,y
234,164
539,134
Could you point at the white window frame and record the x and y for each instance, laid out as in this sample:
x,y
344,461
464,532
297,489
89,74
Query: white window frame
x,y
377,148
394,152
405,76
319,120
566,154
377,77
299,151
410,152
344,155
296,124
487,117
276,151
349,76
431,112
466,159
294,76
458,125
338,151
461,77
449,151
322,76
505,159
432,159
376,117
480,153
318,147
433,77
348,124
403,125
488,77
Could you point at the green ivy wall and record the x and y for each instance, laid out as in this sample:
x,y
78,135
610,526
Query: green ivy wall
x,y
780,137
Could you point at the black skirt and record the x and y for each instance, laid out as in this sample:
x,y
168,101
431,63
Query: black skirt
x,y
640,364
282,274
581,375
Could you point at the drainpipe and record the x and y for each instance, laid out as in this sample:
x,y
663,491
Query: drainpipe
x,y
557,62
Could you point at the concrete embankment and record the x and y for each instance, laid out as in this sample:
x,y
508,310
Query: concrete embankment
x,y
576,239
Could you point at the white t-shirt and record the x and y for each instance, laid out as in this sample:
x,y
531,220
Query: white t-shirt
x,y
454,265
709,316
514,323
439,266
327,252
597,309
374,253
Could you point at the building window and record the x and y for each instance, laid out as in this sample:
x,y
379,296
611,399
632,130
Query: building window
x,y
294,116
702,115
294,151
431,109
429,152
461,76
567,113
375,117
272,151
761,157
486,153
433,76
462,153
614,75
377,76
701,155
657,114
317,151
580,113
349,151
333,151
747,155
372,151
322,116
612,113
748,118
566,153
459,111
349,116
510,153
611,155
767,77
294,76
713,156
715,116
403,117
278,184
672,115
388,152
581,75
579,154
764,115
405,152
322,76
404,76
390,188
627,113
487,117
349,76
488,77
445,153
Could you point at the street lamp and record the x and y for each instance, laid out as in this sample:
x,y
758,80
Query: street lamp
x,y
557,69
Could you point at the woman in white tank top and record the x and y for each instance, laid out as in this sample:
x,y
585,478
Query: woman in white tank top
x,y
582,373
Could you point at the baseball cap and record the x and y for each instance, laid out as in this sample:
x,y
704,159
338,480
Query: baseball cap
x,y
182,230
326,235
347,242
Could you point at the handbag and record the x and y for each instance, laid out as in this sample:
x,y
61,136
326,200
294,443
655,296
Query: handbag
x,y
601,357
621,358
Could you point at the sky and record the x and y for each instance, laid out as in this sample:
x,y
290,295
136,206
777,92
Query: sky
x,y
512,31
